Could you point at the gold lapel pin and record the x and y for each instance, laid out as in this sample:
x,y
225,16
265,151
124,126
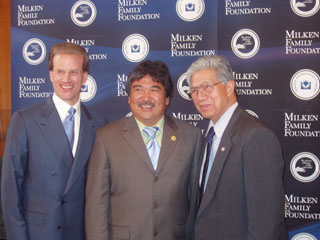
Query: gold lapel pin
x,y
223,149
173,138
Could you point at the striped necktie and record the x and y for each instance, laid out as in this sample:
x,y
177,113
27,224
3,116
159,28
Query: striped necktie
x,y
209,139
152,145
68,124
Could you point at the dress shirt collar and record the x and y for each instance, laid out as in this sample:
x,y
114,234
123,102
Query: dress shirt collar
x,y
63,107
223,121
159,124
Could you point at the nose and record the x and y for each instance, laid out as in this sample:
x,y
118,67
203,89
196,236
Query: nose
x,y
146,93
201,94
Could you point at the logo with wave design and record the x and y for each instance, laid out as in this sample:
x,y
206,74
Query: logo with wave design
x,y
34,51
305,167
305,8
83,13
245,43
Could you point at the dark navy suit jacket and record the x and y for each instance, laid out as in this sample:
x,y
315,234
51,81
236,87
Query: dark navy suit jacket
x,y
43,187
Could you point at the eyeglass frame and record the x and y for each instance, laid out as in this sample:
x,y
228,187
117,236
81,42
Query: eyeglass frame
x,y
209,88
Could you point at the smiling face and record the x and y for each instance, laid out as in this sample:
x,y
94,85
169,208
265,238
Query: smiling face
x,y
212,104
67,77
147,100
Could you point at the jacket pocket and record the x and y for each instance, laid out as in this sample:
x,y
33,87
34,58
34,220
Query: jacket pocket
x,y
120,232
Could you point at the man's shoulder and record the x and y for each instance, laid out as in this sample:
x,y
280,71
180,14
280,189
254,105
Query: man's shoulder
x,y
114,126
34,109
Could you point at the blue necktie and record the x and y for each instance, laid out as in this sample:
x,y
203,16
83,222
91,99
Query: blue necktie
x,y
209,139
68,124
152,145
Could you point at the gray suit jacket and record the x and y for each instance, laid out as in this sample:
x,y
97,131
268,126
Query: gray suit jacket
x,y
244,198
43,187
125,197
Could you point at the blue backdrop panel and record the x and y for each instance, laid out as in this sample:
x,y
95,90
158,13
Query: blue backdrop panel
x,y
273,47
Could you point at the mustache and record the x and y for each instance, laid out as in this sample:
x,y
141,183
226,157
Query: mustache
x,y
146,103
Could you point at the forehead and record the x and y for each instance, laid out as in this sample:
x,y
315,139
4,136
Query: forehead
x,y
202,76
146,81
65,60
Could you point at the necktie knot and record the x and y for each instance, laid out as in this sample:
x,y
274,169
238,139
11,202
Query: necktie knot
x,y
210,135
151,132
71,112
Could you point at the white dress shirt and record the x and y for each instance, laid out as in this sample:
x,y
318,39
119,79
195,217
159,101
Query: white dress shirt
x,y
219,128
63,108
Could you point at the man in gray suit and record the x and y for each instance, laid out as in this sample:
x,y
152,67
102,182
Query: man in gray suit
x,y
44,173
241,194
131,194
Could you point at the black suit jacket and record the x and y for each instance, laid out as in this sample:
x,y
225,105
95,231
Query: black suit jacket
x,y
244,197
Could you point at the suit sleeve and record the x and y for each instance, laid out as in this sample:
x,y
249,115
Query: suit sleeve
x,y
15,162
194,186
97,193
263,171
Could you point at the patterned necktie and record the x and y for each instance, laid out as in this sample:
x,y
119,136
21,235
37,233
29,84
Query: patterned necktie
x,y
209,139
152,145
68,125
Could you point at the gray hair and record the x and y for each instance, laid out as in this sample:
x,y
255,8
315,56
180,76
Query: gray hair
x,y
218,63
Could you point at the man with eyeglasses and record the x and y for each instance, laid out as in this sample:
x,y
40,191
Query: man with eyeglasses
x,y
240,189
46,155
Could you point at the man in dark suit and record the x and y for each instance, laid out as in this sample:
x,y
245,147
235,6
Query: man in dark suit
x,y
44,173
138,193
241,194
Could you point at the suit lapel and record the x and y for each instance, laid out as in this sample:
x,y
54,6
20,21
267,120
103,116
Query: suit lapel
x,y
133,136
220,159
85,142
170,139
52,129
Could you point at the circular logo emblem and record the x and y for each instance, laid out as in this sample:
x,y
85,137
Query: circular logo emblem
x,y
88,89
252,113
305,8
135,48
305,167
303,236
245,43
190,10
34,51
183,87
83,13
304,84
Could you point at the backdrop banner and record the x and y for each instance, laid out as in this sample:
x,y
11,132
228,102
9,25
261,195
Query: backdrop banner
x,y
273,47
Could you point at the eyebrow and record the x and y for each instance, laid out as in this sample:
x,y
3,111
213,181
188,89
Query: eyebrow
x,y
153,86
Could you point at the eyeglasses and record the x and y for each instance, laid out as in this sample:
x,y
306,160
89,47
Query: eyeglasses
x,y
73,73
206,87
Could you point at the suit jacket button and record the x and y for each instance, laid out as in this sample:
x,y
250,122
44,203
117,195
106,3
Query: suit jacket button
x,y
155,205
155,233
155,178
54,174
62,201
59,227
